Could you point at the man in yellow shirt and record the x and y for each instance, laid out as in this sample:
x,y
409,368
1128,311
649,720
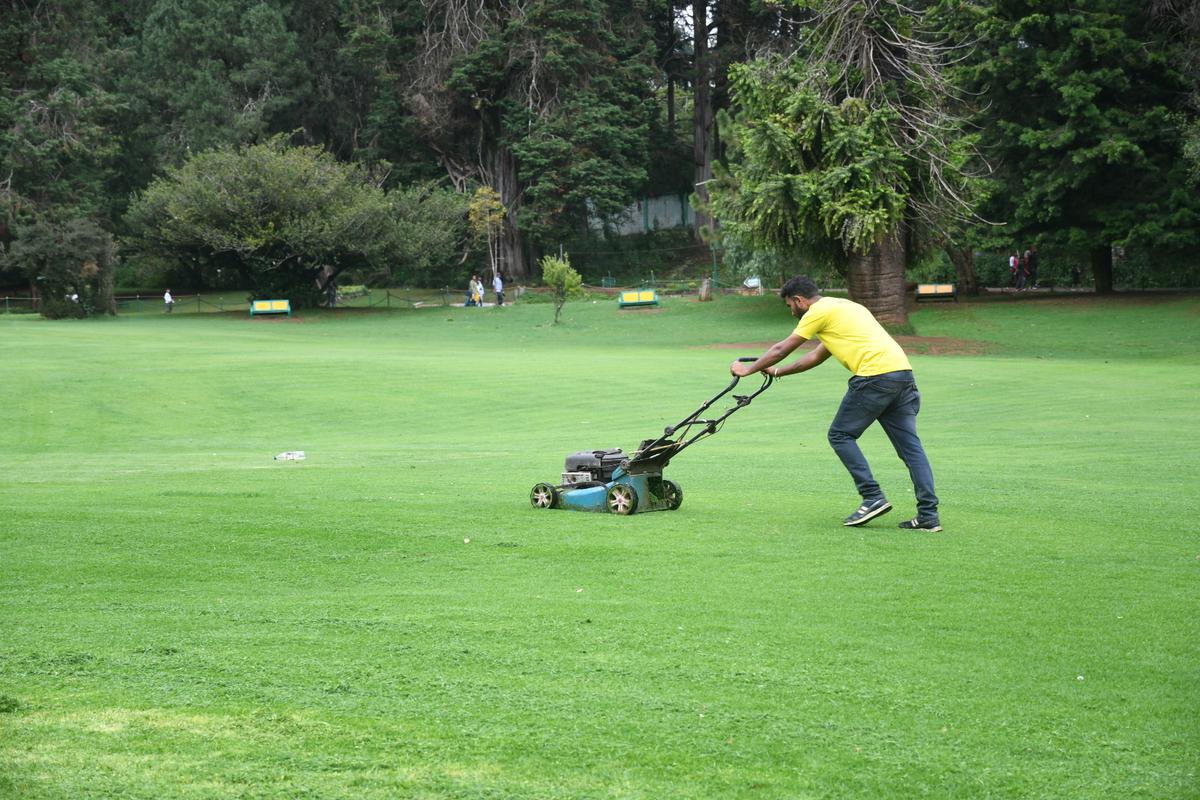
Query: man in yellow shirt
x,y
882,389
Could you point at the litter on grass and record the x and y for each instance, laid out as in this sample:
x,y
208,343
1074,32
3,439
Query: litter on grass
x,y
291,455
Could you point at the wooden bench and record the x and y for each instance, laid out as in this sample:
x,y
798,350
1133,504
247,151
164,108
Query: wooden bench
x,y
937,291
271,307
637,297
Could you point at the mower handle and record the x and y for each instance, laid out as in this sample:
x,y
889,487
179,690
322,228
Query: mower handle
x,y
661,450
747,359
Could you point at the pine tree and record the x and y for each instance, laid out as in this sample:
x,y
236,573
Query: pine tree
x,y
1084,112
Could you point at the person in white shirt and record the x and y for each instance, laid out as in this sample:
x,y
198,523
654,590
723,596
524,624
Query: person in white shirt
x,y
168,301
498,287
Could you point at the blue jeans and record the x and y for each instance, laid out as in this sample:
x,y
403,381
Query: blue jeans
x,y
893,399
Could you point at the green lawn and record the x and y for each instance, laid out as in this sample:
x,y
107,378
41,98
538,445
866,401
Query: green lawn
x,y
182,616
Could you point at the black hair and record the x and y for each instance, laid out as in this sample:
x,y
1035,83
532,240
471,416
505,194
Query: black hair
x,y
801,285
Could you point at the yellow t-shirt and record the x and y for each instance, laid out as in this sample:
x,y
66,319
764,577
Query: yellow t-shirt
x,y
853,336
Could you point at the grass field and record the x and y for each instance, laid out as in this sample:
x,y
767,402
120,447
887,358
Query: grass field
x,y
183,617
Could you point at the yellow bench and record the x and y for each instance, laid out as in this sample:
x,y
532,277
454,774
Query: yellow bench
x,y
271,307
937,291
637,297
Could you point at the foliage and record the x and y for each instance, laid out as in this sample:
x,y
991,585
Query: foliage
x,y
485,216
59,152
850,148
564,282
211,73
805,172
72,264
1083,114
288,220
430,238
546,103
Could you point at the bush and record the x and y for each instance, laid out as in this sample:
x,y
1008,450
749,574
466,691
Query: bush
x,y
71,259
286,221
564,282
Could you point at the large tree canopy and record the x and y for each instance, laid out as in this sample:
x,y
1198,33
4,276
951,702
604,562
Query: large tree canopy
x,y
545,102
1086,116
287,220
848,146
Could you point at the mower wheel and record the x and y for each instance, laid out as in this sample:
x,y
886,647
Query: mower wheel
x,y
544,496
672,494
622,499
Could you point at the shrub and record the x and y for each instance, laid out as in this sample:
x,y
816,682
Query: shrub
x,y
564,282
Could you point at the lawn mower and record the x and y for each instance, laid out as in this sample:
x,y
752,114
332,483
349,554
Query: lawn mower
x,y
614,482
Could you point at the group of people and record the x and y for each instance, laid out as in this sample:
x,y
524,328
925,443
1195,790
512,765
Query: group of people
x,y
1024,269
475,290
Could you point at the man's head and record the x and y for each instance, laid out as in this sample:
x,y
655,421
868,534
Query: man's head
x,y
799,293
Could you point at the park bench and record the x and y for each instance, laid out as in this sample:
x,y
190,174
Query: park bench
x,y
637,297
271,307
937,291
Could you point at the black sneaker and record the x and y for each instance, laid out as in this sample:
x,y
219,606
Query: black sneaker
x,y
867,512
921,525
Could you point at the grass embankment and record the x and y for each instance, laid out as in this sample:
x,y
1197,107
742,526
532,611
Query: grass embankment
x,y
181,616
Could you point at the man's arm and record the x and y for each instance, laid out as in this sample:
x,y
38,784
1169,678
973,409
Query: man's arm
x,y
776,353
813,358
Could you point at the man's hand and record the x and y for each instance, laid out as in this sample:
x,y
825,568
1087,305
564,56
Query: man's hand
x,y
741,369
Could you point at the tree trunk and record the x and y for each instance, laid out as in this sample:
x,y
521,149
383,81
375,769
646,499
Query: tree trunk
x,y
501,174
671,103
963,259
876,279
702,118
1102,269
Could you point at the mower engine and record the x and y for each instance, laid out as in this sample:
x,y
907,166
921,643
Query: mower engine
x,y
591,466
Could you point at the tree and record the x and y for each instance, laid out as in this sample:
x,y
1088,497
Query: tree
x,y
1085,113
432,236
288,220
564,282
848,147
1181,21
71,264
208,73
485,216
58,140
547,102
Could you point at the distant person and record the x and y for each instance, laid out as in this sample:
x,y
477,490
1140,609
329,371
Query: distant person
x,y
1032,254
498,288
1022,271
168,301
476,291
1014,262
1076,275
882,390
